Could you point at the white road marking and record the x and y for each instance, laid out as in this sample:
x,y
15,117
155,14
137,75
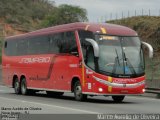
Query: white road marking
x,y
3,86
54,106
2,90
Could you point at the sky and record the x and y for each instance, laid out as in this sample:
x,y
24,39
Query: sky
x,y
101,10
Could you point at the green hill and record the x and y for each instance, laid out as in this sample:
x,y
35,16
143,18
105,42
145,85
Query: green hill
x,y
24,12
23,15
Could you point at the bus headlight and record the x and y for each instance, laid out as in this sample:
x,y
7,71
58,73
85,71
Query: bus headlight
x,y
143,90
100,90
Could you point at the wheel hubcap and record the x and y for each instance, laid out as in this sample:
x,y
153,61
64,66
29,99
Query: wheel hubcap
x,y
23,88
16,86
78,91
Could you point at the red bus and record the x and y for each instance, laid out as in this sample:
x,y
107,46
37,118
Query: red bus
x,y
83,58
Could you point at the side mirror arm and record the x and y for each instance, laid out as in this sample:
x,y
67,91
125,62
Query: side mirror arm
x,y
95,46
150,48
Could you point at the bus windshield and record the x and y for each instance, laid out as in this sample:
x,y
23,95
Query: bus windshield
x,y
119,56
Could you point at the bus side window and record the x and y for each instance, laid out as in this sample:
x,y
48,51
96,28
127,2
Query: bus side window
x,y
84,44
44,42
90,57
53,48
69,44
11,48
63,43
72,44
87,48
22,46
39,45
58,41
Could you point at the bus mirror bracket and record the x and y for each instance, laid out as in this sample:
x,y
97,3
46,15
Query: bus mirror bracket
x,y
150,49
95,46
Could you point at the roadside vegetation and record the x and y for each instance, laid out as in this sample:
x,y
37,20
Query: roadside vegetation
x,y
28,15
24,15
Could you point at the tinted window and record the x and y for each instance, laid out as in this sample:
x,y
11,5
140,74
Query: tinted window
x,y
38,45
10,47
56,43
86,46
83,35
72,44
54,48
66,42
22,46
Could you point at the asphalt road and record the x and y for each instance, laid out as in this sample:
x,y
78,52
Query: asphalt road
x,y
43,104
1,83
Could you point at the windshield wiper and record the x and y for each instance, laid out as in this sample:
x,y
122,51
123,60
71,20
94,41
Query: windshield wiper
x,y
126,60
117,56
115,62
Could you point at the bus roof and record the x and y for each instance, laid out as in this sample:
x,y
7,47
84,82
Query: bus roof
x,y
110,29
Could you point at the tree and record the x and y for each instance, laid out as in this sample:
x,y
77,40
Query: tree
x,y
65,14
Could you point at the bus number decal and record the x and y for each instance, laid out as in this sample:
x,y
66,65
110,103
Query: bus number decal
x,y
35,60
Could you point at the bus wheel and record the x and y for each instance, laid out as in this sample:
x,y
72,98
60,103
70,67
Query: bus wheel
x,y
17,86
56,94
118,98
24,89
78,92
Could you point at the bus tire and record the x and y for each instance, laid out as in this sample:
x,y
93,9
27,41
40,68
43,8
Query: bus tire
x,y
56,94
17,88
79,96
118,98
24,89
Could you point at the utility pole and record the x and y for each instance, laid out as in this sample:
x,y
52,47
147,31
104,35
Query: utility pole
x,y
116,16
122,14
111,16
142,12
128,14
149,12
135,13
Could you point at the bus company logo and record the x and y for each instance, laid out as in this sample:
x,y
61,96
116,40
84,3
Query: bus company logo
x,y
123,81
35,60
124,85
